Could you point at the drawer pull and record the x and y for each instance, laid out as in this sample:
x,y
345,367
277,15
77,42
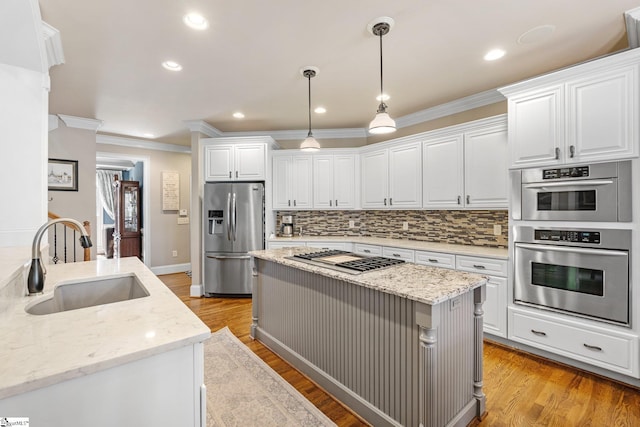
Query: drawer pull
x,y
479,266
433,260
397,255
539,333
593,347
366,251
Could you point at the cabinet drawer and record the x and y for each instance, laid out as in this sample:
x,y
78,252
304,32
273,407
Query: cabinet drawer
x,y
405,254
341,246
361,248
279,245
494,267
436,259
601,348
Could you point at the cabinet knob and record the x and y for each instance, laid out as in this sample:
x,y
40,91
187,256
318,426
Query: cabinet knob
x,y
336,202
390,201
468,199
289,202
229,174
236,174
330,203
385,201
572,151
459,199
294,202
557,153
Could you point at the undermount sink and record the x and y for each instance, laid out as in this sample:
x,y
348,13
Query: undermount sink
x,y
89,293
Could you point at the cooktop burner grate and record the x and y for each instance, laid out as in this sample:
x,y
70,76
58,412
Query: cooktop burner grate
x,y
362,264
322,254
372,263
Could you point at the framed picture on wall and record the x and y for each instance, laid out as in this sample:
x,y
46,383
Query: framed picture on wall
x,y
62,175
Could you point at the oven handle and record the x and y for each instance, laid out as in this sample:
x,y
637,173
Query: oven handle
x,y
592,183
586,251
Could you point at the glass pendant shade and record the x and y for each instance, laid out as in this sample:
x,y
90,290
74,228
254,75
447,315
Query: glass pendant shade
x,y
309,144
382,123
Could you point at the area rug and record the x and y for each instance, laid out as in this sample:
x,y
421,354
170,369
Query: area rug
x,y
242,390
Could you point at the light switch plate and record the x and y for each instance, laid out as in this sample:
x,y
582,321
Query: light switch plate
x,y
183,220
183,212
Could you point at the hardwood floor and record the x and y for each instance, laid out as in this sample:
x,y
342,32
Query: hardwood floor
x,y
521,389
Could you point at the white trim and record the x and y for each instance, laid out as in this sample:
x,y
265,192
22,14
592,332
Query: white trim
x,y
141,143
81,122
53,45
196,291
146,197
170,269
202,127
459,105
53,122
632,22
302,134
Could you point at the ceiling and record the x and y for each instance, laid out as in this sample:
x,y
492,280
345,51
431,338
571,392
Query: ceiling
x,y
249,59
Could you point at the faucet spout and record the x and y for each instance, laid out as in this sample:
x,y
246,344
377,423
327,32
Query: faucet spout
x,y
35,280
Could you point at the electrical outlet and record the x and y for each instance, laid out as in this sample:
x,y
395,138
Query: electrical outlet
x,y
352,223
183,220
405,225
497,230
174,253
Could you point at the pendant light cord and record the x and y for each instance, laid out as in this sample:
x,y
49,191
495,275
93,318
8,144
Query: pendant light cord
x,y
381,90
309,78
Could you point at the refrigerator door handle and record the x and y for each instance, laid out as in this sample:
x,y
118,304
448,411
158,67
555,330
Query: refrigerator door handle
x,y
235,217
229,256
228,216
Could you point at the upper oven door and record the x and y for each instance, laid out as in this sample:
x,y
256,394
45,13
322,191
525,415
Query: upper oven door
x,y
580,200
588,282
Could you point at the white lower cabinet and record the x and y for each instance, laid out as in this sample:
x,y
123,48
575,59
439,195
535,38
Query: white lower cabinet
x,y
495,304
280,245
364,249
597,346
341,246
406,254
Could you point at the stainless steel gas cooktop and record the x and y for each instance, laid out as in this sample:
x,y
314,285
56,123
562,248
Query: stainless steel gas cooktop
x,y
346,262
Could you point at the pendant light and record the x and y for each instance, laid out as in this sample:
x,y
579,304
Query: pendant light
x,y
382,122
309,143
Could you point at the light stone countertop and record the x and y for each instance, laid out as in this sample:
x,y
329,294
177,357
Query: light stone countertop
x,y
429,285
38,351
417,245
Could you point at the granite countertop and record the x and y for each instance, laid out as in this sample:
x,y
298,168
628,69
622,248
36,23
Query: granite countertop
x,y
484,251
38,351
429,285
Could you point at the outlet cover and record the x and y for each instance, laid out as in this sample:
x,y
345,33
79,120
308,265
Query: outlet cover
x,y
352,223
183,220
497,230
174,253
405,225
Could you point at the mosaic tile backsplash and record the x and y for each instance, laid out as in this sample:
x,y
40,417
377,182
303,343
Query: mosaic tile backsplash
x,y
455,226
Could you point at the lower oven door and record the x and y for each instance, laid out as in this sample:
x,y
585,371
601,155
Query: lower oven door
x,y
587,282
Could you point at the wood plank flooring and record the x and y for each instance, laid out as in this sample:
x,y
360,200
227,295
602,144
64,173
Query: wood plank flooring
x,y
521,389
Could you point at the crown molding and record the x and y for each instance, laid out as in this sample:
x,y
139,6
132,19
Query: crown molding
x,y
283,135
203,127
141,143
53,45
632,22
457,106
81,122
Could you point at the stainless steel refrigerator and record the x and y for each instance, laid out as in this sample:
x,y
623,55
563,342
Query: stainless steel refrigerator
x,y
233,225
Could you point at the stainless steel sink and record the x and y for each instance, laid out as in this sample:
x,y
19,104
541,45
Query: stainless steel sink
x,y
89,293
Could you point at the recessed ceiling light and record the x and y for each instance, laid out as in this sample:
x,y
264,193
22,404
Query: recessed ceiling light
x,y
196,21
536,34
172,65
147,135
238,115
383,97
320,110
494,54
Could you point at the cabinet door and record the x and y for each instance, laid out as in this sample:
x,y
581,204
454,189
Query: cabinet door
x,y
375,179
282,182
443,172
486,168
536,127
249,162
344,181
302,182
219,163
405,176
603,116
323,177
495,307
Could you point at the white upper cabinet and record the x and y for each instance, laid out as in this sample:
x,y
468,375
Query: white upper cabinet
x,y
467,168
584,113
392,177
334,181
292,181
241,162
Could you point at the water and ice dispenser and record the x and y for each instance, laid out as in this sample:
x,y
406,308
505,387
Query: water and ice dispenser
x,y
216,221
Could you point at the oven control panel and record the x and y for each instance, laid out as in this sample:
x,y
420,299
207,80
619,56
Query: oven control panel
x,y
568,236
559,173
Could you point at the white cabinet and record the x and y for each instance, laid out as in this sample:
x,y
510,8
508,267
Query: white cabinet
x,y
334,181
436,259
495,304
292,181
584,113
341,246
364,249
466,169
284,244
241,162
398,253
392,177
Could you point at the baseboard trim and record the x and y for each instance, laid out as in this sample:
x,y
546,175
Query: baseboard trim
x,y
170,269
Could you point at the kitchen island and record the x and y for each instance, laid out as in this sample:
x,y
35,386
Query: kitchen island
x,y
399,346
133,362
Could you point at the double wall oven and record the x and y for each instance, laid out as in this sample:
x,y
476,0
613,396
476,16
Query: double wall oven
x,y
565,258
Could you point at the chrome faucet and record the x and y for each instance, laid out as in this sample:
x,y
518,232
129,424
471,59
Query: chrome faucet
x,y
35,280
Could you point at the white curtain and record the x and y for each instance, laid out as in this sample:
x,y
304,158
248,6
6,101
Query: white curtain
x,y
104,182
